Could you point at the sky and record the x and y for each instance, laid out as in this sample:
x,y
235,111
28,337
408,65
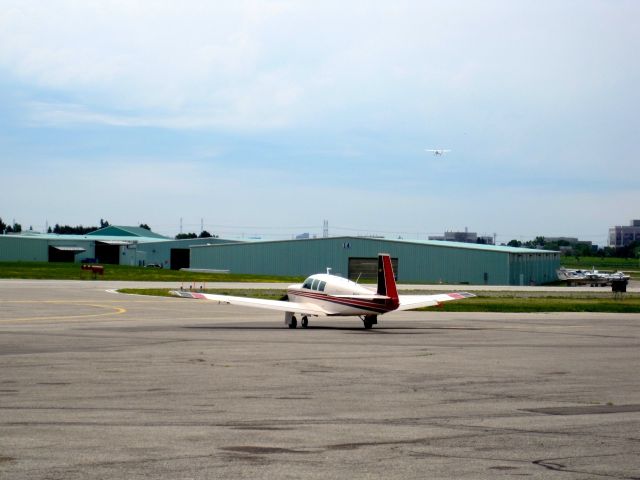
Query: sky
x,y
265,118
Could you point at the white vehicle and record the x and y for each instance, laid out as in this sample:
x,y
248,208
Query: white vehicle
x,y
437,151
329,295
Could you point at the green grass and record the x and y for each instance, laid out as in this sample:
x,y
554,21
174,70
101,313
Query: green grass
x,y
549,304
72,271
489,302
601,263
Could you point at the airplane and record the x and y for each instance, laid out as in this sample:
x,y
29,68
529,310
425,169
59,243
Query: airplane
x,y
437,151
324,294
591,277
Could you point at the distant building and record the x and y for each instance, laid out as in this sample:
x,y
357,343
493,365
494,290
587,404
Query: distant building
x,y
486,240
569,240
621,236
571,245
465,237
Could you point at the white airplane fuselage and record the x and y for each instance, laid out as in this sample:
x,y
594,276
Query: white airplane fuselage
x,y
339,296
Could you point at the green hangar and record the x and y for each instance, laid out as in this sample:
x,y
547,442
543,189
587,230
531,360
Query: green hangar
x,y
356,258
116,245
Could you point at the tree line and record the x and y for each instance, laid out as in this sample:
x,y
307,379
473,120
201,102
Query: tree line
x,y
580,249
82,230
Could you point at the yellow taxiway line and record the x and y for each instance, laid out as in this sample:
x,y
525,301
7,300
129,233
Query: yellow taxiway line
x,y
113,310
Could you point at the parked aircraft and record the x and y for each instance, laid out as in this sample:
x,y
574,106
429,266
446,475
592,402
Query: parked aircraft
x,y
437,151
591,277
329,295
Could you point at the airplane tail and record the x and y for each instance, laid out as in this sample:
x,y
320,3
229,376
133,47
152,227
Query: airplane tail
x,y
386,279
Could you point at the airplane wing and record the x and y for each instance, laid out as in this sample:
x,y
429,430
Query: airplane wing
x,y
279,305
409,302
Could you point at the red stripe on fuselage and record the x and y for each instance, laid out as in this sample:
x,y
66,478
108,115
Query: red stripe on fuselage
x,y
373,306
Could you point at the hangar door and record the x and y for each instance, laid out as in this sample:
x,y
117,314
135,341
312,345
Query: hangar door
x,y
59,253
366,268
108,252
180,258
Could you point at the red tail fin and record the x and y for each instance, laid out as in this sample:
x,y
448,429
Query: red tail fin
x,y
386,279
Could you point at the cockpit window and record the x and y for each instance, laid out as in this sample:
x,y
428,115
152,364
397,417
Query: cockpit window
x,y
307,283
314,285
321,286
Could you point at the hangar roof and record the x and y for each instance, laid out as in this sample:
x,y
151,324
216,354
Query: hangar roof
x,y
434,243
119,231
94,238
476,246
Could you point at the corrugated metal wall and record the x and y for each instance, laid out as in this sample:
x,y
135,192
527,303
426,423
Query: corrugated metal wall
x,y
533,268
160,252
19,249
417,262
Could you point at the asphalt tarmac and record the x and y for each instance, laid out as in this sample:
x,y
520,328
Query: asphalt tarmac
x,y
97,385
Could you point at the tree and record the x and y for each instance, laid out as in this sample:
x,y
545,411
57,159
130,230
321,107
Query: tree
x,y
514,243
69,230
628,251
15,228
184,236
103,223
145,226
3,227
205,234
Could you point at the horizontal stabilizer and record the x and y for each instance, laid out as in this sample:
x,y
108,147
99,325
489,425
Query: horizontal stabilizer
x,y
409,302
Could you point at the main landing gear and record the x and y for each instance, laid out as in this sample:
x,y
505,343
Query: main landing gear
x,y
292,321
369,321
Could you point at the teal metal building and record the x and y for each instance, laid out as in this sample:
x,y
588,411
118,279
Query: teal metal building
x,y
356,257
119,245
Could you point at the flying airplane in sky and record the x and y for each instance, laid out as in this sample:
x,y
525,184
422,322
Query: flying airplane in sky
x,y
329,295
437,151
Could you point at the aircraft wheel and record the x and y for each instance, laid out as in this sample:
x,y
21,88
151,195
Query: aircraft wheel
x,y
305,322
294,323
369,321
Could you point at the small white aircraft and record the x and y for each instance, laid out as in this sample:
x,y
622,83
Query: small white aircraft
x,y
591,277
437,151
329,295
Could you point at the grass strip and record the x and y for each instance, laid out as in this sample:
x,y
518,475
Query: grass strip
x,y
72,271
603,303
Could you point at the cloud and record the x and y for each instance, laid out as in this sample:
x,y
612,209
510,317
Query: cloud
x,y
264,65
333,97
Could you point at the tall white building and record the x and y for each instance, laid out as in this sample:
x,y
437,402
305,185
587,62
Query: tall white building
x,y
621,236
